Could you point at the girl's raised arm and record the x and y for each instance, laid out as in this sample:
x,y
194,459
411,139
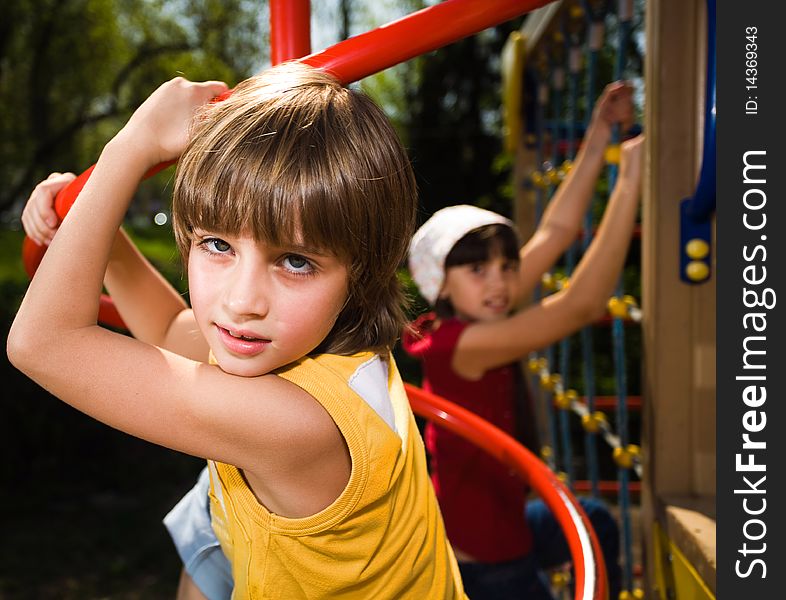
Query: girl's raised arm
x,y
486,345
563,217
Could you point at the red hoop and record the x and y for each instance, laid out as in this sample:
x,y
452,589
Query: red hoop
x,y
588,563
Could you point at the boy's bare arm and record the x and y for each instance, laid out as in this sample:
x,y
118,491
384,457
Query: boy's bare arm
x,y
564,215
151,308
264,425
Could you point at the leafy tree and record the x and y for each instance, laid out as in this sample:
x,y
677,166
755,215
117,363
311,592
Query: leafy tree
x,y
72,71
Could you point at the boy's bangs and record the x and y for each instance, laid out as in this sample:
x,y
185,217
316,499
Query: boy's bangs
x,y
289,198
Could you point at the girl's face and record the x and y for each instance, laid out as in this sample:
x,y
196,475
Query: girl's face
x,y
262,307
482,291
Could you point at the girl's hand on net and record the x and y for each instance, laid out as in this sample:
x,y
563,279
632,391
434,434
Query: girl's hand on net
x,y
159,128
39,219
615,105
632,159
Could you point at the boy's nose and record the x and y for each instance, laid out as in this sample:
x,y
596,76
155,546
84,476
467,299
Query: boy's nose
x,y
246,293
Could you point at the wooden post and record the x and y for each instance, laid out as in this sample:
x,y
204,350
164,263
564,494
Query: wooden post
x,y
678,319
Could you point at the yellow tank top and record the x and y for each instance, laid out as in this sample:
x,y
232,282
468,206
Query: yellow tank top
x,y
383,537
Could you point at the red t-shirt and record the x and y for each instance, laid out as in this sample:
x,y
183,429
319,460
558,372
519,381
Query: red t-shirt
x,y
482,501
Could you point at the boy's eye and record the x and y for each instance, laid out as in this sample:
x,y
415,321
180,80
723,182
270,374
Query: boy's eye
x,y
511,265
297,264
216,245
476,267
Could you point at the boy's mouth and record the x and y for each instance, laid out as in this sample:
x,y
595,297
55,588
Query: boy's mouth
x,y
239,341
242,336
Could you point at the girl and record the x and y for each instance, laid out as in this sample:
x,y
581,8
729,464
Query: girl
x,y
466,262
292,237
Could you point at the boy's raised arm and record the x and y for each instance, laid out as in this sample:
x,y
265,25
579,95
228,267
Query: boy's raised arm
x,y
563,217
151,308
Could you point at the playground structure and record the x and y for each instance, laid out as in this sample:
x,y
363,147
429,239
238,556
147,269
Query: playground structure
x,y
677,319
547,65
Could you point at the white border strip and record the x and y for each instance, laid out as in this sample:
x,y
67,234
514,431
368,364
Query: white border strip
x,y
590,568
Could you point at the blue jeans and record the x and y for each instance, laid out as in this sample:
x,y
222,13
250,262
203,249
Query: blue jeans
x,y
524,578
189,525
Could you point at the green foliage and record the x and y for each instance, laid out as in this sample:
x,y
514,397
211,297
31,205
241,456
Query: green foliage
x,y
72,71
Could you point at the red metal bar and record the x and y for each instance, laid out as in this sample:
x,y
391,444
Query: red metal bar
x,y
350,60
290,29
605,486
415,34
585,550
610,402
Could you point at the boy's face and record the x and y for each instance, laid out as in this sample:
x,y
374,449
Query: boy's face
x,y
261,307
483,291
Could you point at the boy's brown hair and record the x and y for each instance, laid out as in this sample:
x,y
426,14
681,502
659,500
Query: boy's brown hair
x,y
293,156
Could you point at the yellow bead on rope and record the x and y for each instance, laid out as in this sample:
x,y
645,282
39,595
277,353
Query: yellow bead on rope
x,y
533,365
537,179
637,594
565,168
612,154
593,422
561,401
552,176
546,452
624,457
559,580
617,307
548,281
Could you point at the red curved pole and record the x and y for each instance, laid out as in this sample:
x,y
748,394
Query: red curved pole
x,y
350,60
422,31
290,29
583,543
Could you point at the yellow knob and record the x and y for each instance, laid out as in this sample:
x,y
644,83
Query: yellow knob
x,y
548,282
552,175
630,301
546,452
533,366
612,154
562,476
576,11
697,270
697,249
638,594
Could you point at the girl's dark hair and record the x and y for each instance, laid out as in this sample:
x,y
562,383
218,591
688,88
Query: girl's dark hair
x,y
479,245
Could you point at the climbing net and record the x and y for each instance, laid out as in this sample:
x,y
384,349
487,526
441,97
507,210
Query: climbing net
x,y
565,61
